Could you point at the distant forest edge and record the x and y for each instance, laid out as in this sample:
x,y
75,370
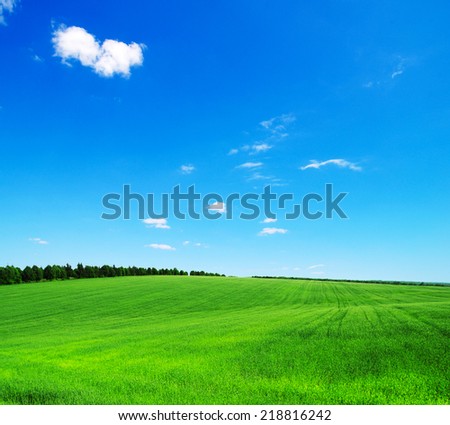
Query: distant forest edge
x,y
11,275
381,282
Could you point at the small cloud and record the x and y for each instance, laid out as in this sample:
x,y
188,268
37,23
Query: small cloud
x,y
272,231
157,223
270,220
160,246
38,241
106,59
187,169
6,6
267,124
397,73
259,176
218,207
316,266
342,163
196,244
400,67
261,147
278,123
233,151
250,165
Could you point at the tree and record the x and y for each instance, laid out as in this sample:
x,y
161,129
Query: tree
x,y
48,273
28,275
69,271
38,273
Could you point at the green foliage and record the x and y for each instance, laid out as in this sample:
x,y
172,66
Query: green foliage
x,y
10,275
202,340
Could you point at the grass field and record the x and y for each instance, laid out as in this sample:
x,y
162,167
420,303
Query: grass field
x,y
199,340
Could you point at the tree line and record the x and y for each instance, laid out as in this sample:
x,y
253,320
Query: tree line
x,y
11,275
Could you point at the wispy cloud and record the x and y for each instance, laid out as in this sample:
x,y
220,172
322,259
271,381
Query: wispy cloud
x,y
38,241
195,244
399,68
316,266
261,147
157,223
397,73
278,124
254,149
6,6
269,220
250,165
272,231
106,59
161,246
187,169
342,163
274,130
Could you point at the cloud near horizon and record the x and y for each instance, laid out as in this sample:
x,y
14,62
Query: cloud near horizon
x,y
342,163
316,266
38,241
106,59
161,246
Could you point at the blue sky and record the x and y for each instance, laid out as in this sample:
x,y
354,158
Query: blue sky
x,y
95,95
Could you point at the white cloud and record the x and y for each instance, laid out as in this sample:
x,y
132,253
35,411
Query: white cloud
x,y
161,246
106,59
316,266
38,241
261,147
267,124
278,123
259,176
275,130
397,73
250,165
218,207
157,223
196,244
400,67
6,6
272,231
339,162
187,169
270,220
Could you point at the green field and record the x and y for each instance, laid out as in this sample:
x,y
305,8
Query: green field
x,y
200,340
